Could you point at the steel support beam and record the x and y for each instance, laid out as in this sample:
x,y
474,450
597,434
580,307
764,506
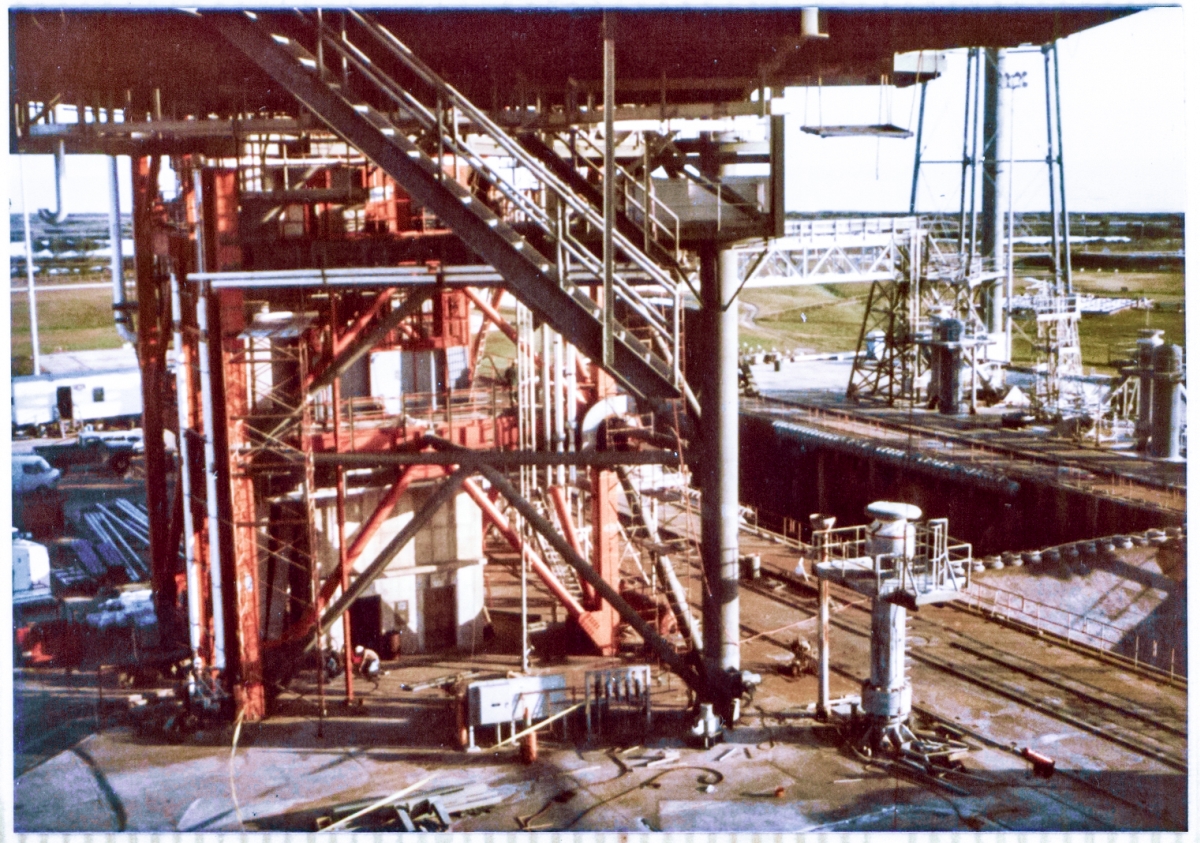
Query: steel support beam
x,y
660,645
343,340
354,349
676,595
500,459
574,608
153,313
237,501
364,535
490,312
719,467
606,553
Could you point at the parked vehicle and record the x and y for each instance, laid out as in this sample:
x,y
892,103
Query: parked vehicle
x,y
31,472
91,454
116,440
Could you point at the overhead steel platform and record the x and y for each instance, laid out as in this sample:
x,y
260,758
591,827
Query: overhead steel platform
x,y
510,59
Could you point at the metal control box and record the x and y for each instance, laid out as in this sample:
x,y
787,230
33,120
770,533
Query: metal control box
x,y
496,701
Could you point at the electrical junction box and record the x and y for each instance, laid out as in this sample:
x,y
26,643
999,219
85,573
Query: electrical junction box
x,y
495,701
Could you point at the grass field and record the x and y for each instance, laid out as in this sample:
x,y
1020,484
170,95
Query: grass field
x,y
821,318
832,316
68,320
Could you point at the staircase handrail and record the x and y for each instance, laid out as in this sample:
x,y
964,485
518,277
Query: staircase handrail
x,y
656,205
364,64
406,56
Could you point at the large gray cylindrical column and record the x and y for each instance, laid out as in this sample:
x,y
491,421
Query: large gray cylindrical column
x,y
1167,410
719,478
1148,340
887,696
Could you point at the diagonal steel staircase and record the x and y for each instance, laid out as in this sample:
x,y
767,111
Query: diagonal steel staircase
x,y
415,141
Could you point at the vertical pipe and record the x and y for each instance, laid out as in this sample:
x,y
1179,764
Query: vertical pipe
x,y
890,695
647,206
210,481
1148,340
33,318
975,108
547,400
60,175
912,198
572,407
778,175
191,563
524,608
1001,309
343,558
320,45
610,186
1054,232
719,484
1166,416
117,263
560,424
823,647
1062,180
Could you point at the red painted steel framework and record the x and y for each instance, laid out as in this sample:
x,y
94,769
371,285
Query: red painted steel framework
x,y
241,443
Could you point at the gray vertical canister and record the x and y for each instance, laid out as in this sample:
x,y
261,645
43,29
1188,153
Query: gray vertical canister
x,y
1148,340
1166,411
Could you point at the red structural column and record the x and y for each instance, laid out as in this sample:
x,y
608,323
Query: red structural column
x,y
239,534
236,502
606,538
153,314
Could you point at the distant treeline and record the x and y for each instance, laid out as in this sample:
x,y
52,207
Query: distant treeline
x,y
78,233
1136,226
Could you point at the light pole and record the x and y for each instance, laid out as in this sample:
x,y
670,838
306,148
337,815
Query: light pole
x,y
1012,81
33,319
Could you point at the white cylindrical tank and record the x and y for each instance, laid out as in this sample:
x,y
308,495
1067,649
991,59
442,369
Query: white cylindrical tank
x,y
892,532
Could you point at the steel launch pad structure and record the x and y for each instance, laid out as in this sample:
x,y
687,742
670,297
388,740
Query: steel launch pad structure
x,y
357,195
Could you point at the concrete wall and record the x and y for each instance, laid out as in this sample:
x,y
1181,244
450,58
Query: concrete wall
x,y
447,551
791,479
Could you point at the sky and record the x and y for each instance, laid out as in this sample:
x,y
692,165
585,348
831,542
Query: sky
x,y
1122,94
1122,90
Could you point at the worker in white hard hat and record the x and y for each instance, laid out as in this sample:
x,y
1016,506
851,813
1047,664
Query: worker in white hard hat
x,y
368,663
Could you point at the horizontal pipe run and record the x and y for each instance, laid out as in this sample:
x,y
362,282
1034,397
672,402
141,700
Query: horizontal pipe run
x,y
425,275
499,459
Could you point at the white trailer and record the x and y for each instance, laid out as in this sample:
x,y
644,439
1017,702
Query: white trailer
x,y
112,396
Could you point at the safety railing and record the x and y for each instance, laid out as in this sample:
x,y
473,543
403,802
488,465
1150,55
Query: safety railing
x,y
1076,628
660,223
935,563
